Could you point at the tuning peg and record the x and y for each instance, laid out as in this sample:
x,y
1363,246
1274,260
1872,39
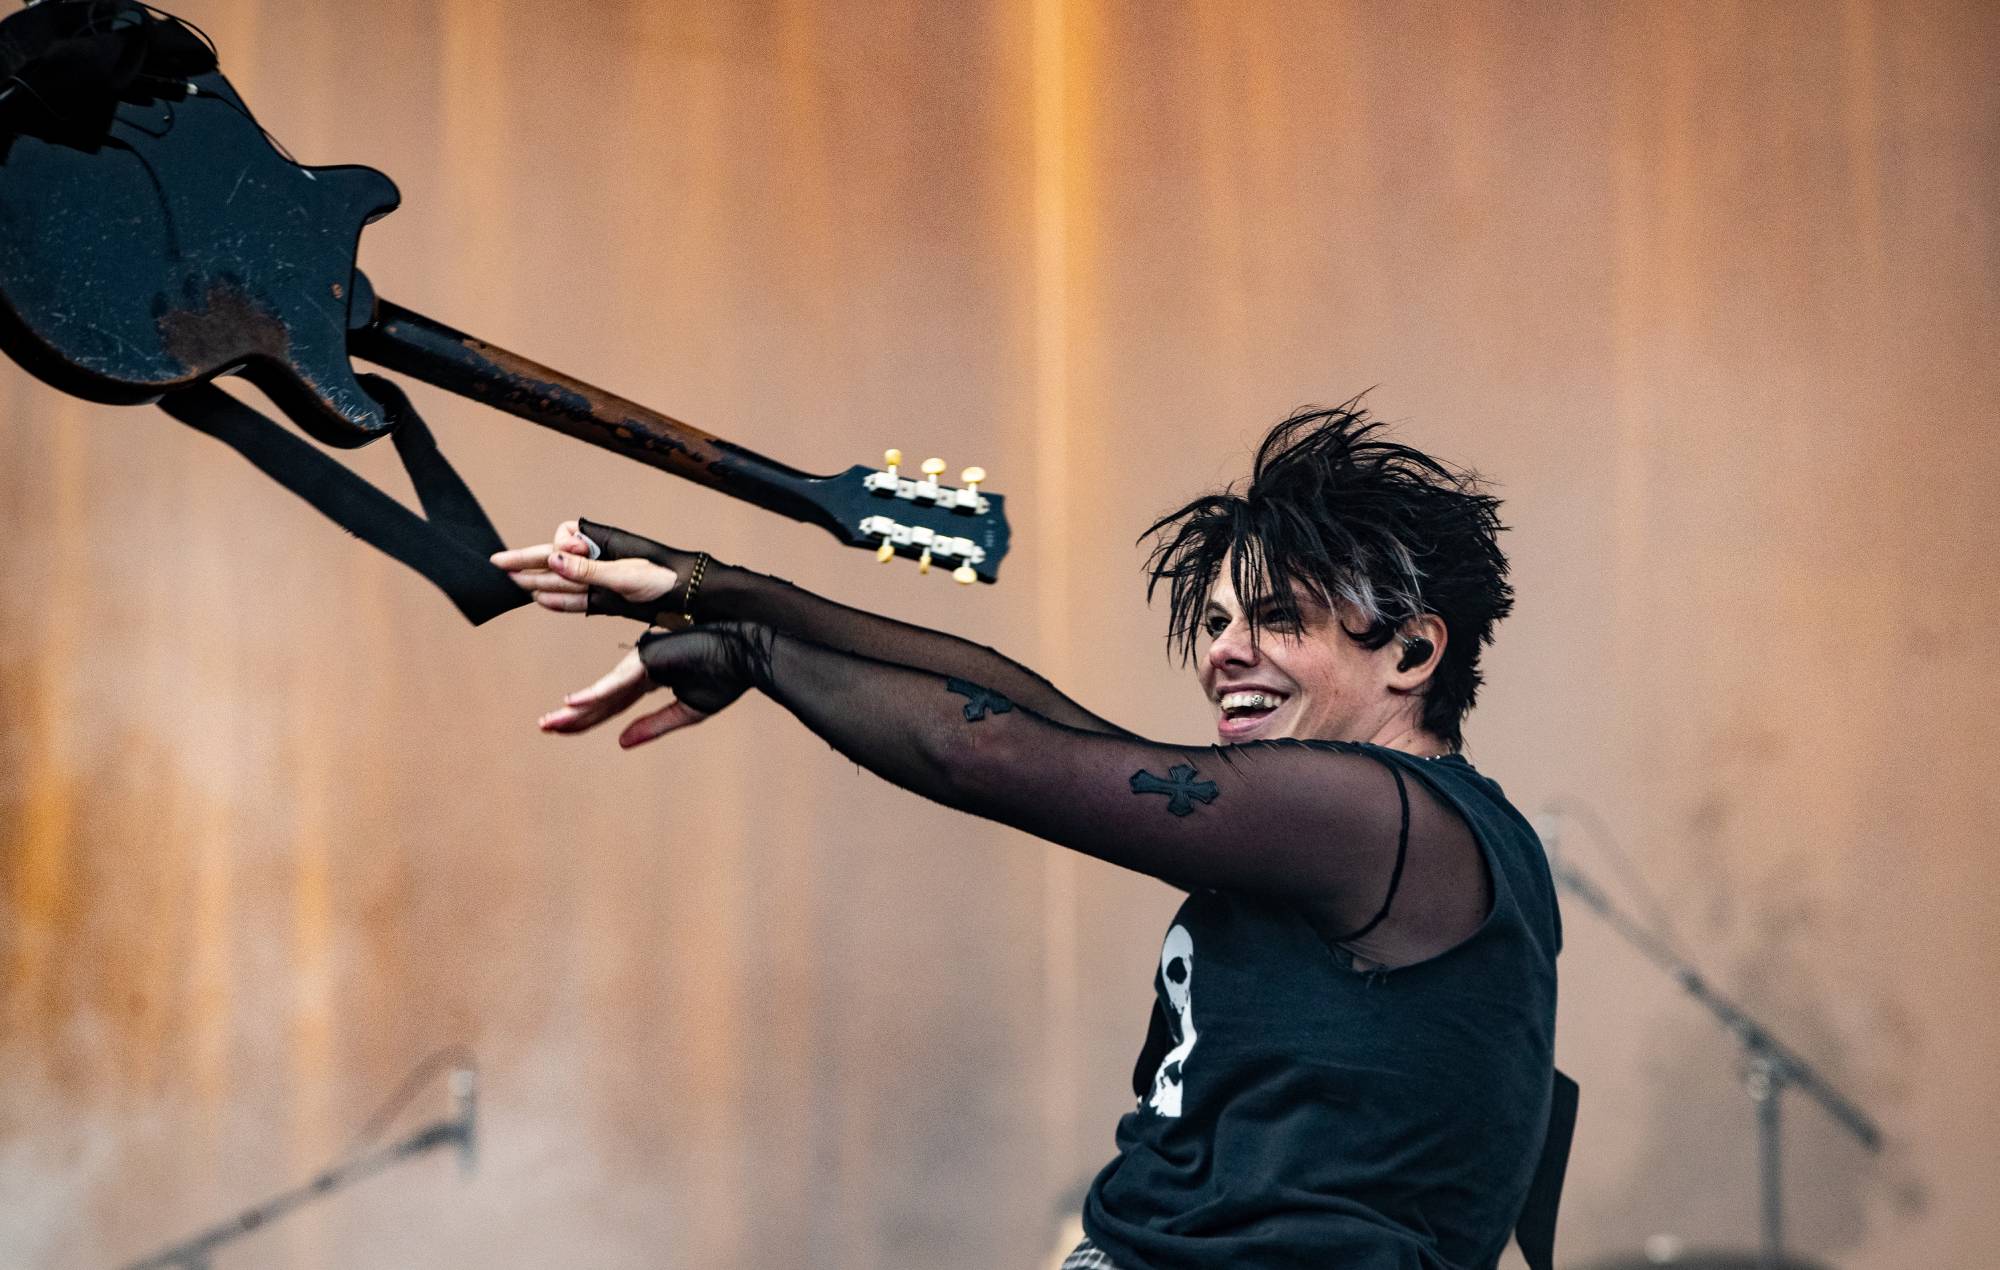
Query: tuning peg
x,y
924,561
892,459
964,576
886,552
971,477
933,468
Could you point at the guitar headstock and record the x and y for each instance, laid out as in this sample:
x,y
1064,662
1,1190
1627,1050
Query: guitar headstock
x,y
961,527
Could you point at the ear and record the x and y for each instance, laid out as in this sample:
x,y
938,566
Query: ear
x,y
1416,651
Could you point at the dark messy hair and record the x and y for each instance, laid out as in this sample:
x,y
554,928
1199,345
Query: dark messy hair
x,y
1334,507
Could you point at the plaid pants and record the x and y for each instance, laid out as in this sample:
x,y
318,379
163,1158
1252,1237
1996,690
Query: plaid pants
x,y
1088,1256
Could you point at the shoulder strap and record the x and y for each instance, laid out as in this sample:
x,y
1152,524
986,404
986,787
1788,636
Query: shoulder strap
x,y
449,548
1536,1230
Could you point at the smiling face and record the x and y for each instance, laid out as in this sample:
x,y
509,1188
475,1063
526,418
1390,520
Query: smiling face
x,y
1315,683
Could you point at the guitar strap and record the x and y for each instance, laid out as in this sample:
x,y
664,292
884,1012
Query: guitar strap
x,y
1536,1229
448,545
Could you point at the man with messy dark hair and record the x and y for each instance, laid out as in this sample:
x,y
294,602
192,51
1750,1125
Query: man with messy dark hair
x,y
1350,1057
1336,512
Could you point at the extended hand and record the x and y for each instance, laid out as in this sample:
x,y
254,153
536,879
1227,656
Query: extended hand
x,y
707,670
560,573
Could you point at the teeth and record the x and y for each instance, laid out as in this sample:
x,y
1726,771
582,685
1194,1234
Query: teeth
x,y
1250,701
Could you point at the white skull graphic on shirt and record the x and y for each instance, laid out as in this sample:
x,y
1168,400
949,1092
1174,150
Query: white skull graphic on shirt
x,y
1177,973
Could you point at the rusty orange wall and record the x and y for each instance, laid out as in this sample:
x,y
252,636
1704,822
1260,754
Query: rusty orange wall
x,y
1710,288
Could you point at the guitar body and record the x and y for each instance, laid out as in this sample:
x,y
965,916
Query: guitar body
x,y
152,238
185,248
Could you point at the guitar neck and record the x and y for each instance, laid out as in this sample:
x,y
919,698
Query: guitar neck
x,y
412,344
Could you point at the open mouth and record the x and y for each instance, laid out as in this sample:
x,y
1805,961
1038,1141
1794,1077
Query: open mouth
x,y
1245,710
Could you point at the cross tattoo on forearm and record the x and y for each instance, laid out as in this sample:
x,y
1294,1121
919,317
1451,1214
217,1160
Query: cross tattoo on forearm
x,y
1180,787
981,700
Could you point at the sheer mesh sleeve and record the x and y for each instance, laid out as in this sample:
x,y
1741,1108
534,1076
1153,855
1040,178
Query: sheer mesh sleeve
x,y
729,593
1320,823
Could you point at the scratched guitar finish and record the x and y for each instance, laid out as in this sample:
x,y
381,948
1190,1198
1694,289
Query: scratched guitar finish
x,y
187,247
184,249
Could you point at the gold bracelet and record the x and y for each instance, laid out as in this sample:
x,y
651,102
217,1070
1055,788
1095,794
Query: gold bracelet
x,y
694,584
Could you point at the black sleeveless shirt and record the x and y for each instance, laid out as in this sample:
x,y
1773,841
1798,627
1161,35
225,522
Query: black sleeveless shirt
x,y
1296,1113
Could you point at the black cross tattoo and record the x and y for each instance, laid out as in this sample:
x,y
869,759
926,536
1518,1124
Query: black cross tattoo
x,y
981,699
1180,787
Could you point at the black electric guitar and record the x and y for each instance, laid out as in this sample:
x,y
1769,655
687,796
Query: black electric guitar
x,y
153,238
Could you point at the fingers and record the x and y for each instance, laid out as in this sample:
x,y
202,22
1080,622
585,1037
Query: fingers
x,y
538,580
529,567
657,724
582,718
581,711
629,673
612,694
567,539
637,580
570,538
518,558
560,572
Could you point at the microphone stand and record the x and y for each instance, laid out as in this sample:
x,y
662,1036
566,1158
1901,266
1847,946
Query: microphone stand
x,y
1769,1067
194,1252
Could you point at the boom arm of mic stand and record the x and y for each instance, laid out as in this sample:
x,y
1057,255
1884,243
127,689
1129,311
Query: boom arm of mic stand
x,y
193,1253
1783,1065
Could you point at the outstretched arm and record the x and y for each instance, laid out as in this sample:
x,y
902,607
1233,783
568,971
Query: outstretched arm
x,y
631,564
1321,824
774,602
